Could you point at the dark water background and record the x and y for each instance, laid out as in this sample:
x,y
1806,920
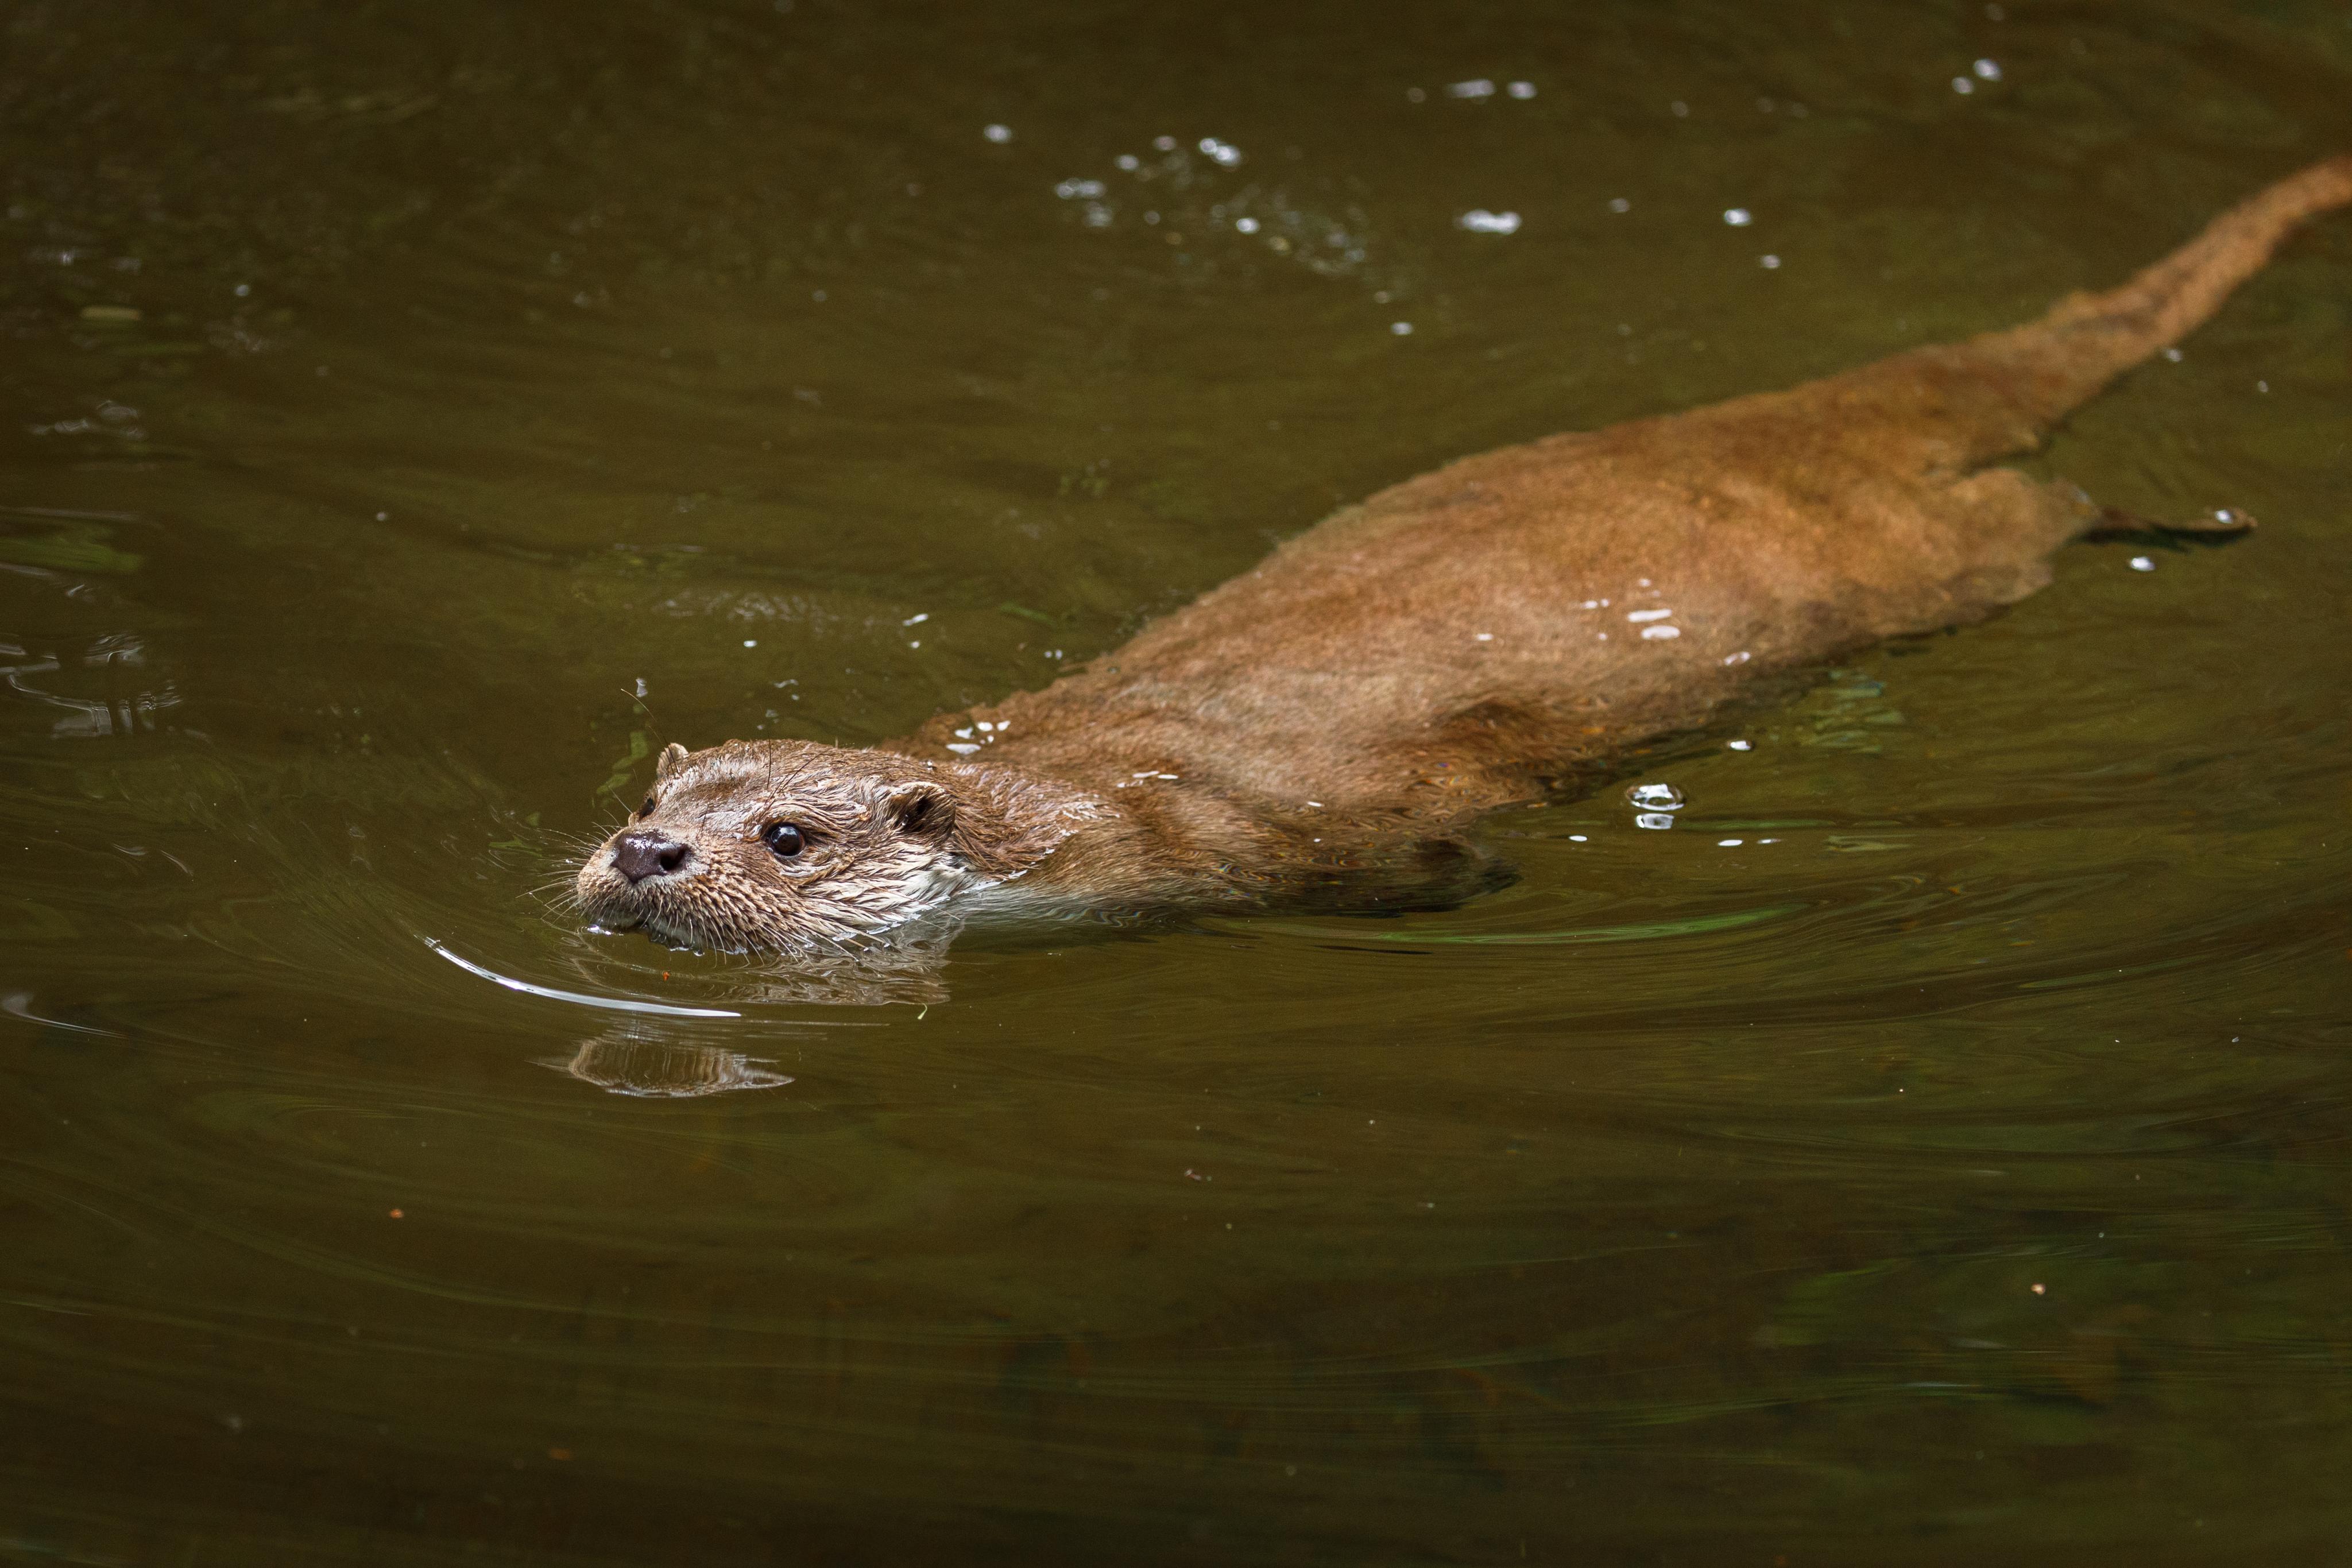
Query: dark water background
x,y
1961,1173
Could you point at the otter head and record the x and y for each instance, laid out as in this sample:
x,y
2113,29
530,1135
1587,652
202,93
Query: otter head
x,y
784,845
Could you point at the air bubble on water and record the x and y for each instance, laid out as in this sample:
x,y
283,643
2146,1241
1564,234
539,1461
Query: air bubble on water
x,y
1654,820
1728,843
1224,152
1000,134
1739,658
1069,190
1478,220
2173,355
1741,745
1127,162
1987,70
1245,226
1401,329
1480,88
1577,839
1738,217
1655,796
1619,204
1661,633
2143,563
1164,144
1522,89
1963,86
1770,263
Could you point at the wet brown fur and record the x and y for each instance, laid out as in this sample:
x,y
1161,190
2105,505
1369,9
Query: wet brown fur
x,y
1439,650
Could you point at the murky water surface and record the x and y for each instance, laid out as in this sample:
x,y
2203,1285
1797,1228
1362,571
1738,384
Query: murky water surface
x,y
1932,1144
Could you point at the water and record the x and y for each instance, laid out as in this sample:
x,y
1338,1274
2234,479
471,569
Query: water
x,y
1933,1145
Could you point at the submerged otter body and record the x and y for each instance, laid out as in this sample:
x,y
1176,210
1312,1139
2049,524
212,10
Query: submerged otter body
x,y
1488,634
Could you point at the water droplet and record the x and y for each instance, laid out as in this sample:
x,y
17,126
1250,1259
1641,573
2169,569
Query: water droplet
x,y
1478,220
1655,796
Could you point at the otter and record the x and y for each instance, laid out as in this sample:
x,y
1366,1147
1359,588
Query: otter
x,y
1496,631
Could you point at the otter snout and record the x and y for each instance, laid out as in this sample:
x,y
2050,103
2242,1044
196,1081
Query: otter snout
x,y
645,852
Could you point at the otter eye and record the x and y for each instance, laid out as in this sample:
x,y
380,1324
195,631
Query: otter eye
x,y
784,838
647,808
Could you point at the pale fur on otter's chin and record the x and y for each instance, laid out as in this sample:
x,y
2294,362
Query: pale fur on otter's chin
x,y
889,838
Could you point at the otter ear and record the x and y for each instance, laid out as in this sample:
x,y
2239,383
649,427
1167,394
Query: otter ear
x,y
923,809
672,758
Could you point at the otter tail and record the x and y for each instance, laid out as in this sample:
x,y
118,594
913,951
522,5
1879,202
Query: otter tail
x,y
2054,365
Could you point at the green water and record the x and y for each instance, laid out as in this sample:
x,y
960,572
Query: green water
x,y
1953,1168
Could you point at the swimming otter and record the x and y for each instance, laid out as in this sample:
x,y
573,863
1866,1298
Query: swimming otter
x,y
1484,634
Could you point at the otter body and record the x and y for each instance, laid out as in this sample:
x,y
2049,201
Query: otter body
x,y
1485,634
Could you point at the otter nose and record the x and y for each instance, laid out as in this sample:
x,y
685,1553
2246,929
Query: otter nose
x,y
643,853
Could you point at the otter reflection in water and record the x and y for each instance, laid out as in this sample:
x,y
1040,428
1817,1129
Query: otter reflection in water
x,y
1496,631
641,1060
